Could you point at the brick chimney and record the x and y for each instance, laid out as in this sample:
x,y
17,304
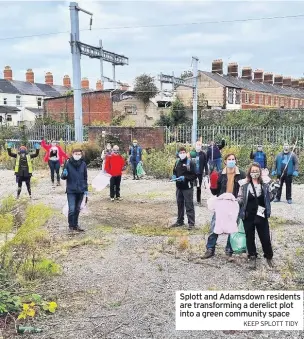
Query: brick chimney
x,y
247,73
124,87
278,80
29,76
66,81
233,69
287,81
8,73
258,75
217,66
301,84
99,85
268,78
49,79
85,83
295,83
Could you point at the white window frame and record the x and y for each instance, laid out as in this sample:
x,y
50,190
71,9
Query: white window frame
x,y
4,101
238,96
246,98
230,96
130,110
9,118
18,99
39,100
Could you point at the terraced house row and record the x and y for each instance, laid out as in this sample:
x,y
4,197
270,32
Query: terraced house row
x,y
248,90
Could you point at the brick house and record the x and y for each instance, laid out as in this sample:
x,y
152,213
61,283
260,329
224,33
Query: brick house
x,y
251,90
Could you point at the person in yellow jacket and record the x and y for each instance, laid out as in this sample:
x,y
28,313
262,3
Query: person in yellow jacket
x,y
23,166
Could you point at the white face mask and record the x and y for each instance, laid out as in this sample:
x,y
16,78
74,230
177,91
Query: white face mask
x,y
76,157
198,149
260,149
182,156
54,144
254,175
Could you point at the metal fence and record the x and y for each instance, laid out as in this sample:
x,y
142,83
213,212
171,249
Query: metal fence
x,y
238,136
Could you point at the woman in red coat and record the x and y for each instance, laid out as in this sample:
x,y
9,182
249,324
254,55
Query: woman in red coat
x,y
55,157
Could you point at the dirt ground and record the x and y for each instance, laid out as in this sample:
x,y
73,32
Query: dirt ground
x,y
119,278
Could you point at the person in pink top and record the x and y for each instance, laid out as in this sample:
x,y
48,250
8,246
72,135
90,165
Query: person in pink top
x,y
55,157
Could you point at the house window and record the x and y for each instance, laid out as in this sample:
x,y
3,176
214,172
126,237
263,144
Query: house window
x,y
39,102
9,118
1,119
261,99
269,100
282,102
230,96
296,104
18,100
251,98
272,101
238,96
246,98
131,110
4,101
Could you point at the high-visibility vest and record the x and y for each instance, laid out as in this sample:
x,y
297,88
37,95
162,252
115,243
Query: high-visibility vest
x,y
29,163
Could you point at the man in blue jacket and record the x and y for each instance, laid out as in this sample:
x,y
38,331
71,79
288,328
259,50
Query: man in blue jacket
x,y
286,166
76,176
135,154
214,156
259,156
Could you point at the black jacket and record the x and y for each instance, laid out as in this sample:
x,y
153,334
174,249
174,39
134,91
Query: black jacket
x,y
77,178
214,152
203,163
188,171
222,182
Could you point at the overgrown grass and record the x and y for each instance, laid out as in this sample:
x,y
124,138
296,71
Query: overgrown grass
x,y
154,231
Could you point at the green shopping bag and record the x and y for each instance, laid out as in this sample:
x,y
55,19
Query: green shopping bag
x,y
238,239
140,170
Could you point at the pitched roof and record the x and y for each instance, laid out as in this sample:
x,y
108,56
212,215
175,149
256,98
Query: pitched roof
x,y
35,110
230,81
9,109
27,88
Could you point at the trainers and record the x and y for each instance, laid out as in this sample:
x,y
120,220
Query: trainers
x,y
177,224
276,200
79,229
119,199
252,263
58,183
289,201
190,227
270,263
208,254
112,199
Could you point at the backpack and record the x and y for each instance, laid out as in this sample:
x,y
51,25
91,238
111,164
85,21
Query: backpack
x,y
213,179
188,163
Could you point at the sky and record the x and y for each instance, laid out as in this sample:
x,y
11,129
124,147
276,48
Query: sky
x,y
272,45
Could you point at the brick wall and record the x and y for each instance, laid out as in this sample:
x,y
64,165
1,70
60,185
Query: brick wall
x,y
147,137
96,106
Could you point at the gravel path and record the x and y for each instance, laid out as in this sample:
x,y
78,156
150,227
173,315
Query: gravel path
x,y
126,287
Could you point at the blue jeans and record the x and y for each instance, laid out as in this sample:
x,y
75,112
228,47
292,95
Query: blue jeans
x,y
54,166
212,239
74,202
216,163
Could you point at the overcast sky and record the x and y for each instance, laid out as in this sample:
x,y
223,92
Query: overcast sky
x,y
273,45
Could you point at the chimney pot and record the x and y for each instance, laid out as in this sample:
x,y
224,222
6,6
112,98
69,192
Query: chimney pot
x,y
258,75
85,83
8,73
124,87
278,80
247,73
49,79
66,81
268,78
301,84
99,85
217,66
295,83
287,81
233,69
29,75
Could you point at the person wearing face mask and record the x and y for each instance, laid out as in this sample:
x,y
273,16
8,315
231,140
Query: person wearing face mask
x,y
228,182
259,157
286,167
184,175
76,175
214,156
201,168
23,166
254,198
115,164
106,152
135,154
55,157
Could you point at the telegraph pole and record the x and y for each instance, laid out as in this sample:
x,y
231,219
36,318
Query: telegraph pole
x,y
195,94
101,64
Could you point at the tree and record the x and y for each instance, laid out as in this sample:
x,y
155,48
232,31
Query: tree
x,y
145,88
186,74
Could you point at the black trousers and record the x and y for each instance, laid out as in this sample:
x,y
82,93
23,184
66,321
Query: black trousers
x,y
27,181
262,226
184,199
134,167
115,186
199,187
288,182
54,167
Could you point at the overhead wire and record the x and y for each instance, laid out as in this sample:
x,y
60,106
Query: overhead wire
x,y
160,25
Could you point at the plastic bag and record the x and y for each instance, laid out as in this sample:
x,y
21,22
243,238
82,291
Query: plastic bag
x,y
238,240
83,207
139,170
265,176
101,181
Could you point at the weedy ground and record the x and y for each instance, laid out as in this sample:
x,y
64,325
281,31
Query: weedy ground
x,y
119,279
